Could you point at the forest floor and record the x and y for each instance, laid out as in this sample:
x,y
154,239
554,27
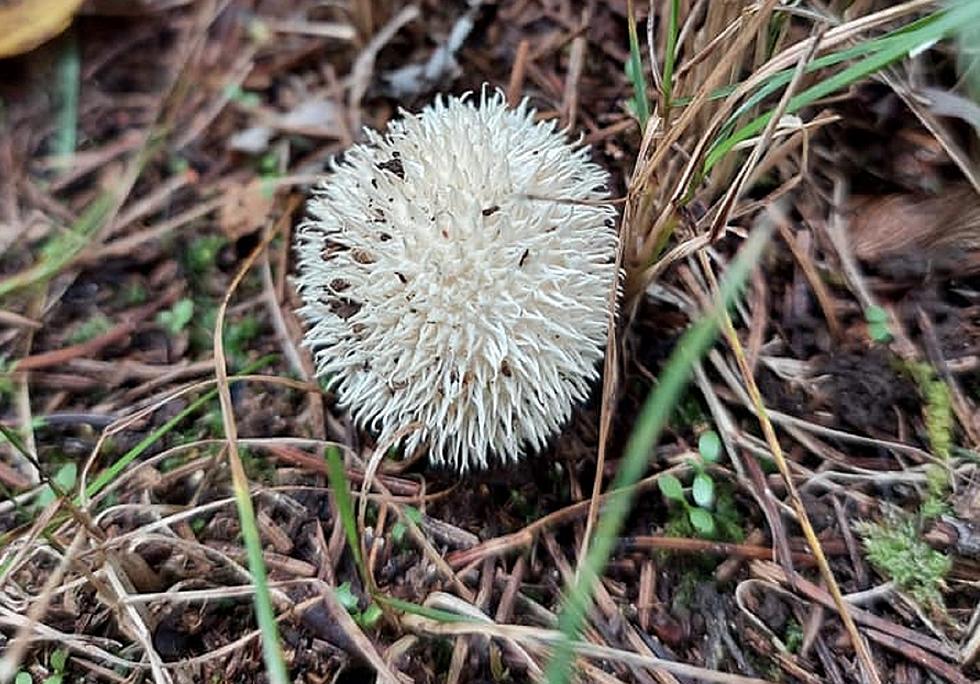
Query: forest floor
x,y
154,160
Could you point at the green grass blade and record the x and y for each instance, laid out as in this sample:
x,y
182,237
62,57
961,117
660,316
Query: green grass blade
x,y
275,667
783,77
423,611
655,413
889,51
69,71
968,58
670,54
636,72
337,477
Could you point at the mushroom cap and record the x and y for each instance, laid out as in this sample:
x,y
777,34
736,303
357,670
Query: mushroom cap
x,y
456,274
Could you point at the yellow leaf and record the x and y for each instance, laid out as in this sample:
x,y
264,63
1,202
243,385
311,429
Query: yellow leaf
x,y
25,24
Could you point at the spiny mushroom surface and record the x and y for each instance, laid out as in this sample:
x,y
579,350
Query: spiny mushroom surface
x,y
456,273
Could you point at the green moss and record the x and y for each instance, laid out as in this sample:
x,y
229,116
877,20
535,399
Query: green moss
x,y
202,253
937,412
727,517
896,551
90,329
937,493
238,334
793,637
687,590
937,409
135,293
688,412
257,467
939,418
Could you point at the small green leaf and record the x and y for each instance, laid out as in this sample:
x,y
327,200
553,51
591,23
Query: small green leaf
x,y
880,332
875,314
703,490
23,678
369,618
44,497
671,488
60,656
65,478
54,679
877,319
337,476
398,532
177,317
702,521
413,514
346,597
709,446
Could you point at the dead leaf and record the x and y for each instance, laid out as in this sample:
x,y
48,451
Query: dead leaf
x,y
317,117
252,140
28,23
895,225
246,207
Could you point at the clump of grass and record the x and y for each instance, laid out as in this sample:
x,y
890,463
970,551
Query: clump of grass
x,y
895,549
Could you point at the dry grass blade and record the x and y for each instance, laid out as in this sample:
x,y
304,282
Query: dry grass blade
x,y
364,65
137,617
548,637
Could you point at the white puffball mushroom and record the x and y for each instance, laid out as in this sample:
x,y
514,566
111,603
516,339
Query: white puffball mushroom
x,y
455,273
